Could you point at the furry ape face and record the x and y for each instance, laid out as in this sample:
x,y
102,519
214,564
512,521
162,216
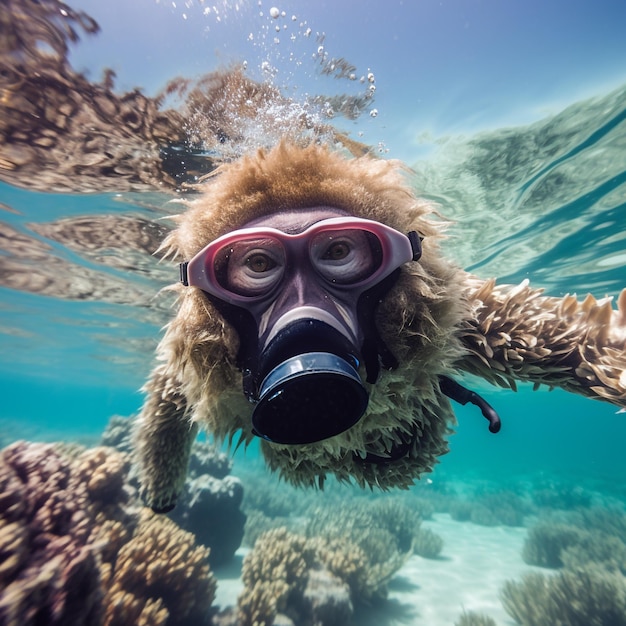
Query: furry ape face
x,y
435,319
404,427
302,299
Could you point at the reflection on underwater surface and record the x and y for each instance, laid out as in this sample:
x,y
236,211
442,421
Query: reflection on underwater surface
x,y
82,309
544,201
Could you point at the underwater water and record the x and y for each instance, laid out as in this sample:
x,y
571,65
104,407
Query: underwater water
x,y
513,119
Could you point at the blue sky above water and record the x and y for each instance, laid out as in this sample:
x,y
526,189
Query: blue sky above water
x,y
441,67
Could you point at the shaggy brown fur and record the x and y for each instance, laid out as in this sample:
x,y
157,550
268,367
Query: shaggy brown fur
x,y
60,132
436,320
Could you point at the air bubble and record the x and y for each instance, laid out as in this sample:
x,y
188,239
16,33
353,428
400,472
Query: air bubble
x,y
274,12
373,112
370,77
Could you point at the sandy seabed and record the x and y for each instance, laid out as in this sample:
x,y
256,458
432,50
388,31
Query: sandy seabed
x,y
473,566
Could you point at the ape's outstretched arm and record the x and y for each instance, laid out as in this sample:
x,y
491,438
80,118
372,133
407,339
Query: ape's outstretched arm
x,y
519,334
163,439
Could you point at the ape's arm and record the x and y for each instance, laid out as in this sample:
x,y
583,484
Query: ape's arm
x,y
516,333
163,439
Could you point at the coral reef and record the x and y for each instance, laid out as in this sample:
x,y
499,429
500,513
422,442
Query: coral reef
x,y
209,508
161,563
210,503
611,521
590,589
257,523
557,495
595,535
118,434
427,544
596,547
206,459
77,548
546,542
274,499
490,509
474,619
384,530
586,596
308,581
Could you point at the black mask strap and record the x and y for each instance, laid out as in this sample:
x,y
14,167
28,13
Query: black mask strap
x,y
247,356
373,344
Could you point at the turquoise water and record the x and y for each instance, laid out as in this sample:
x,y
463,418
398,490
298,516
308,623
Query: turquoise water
x,y
513,117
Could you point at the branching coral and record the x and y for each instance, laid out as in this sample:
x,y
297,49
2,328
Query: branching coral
x,y
474,619
160,563
589,596
590,589
427,544
309,580
350,564
276,569
546,543
384,530
77,549
585,536
49,573
596,547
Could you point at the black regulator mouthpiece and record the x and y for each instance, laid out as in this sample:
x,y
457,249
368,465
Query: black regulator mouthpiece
x,y
310,388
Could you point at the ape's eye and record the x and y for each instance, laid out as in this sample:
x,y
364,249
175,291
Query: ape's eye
x,y
336,251
250,267
345,256
260,262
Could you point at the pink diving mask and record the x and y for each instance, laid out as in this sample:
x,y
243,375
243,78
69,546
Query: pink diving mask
x,y
300,361
247,267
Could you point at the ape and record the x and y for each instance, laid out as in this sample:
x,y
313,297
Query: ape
x,y
316,312
315,308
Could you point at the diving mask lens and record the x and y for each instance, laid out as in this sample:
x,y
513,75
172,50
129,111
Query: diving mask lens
x,y
253,266
247,265
250,267
345,256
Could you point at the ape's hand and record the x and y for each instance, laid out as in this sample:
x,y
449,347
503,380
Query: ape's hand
x,y
519,334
